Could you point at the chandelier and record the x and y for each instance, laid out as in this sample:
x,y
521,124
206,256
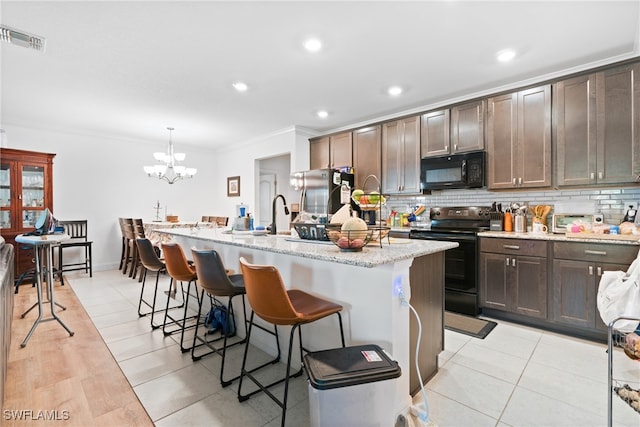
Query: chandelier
x,y
169,170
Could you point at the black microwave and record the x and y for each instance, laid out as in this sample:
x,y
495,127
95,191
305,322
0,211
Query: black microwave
x,y
464,170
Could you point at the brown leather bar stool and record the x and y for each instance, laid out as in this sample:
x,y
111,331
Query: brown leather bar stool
x,y
130,246
138,232
180,270
216,281
274,304
150,262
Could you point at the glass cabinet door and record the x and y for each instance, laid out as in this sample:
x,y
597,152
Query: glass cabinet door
x,y
5,196
32,194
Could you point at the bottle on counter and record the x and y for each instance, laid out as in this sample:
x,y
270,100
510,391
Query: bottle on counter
x,y
508,222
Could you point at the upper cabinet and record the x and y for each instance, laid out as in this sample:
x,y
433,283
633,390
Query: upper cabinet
x,y
460,130
434,133
467,127
401,156
596,127
519,139
26,190
331,151
366,154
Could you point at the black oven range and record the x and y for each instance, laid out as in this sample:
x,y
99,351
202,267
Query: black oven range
x,y
461,225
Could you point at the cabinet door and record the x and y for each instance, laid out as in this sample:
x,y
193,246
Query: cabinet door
x,y
601,268
8,218
494,281
366,154
319,153
574,295
391,155
618,109
410,175
501,141
340,148
434,134
534,137
530,287
575,130
467,127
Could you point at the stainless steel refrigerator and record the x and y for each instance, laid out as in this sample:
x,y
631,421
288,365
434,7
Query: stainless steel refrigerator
x,y
322,190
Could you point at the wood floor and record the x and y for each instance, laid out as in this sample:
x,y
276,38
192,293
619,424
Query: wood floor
x,y
61,380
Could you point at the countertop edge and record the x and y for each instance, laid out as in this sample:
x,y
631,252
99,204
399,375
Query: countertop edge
x,y
370,256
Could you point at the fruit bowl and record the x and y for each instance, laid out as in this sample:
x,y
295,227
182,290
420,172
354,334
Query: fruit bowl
x,y
379,232
350,241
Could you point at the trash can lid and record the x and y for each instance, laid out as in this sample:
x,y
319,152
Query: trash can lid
x,y
343,367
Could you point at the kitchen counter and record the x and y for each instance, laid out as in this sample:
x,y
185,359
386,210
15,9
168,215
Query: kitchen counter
x,y
366,284
372,255
593,238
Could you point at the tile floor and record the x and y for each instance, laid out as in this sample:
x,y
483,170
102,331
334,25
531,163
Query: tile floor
x,y
516,376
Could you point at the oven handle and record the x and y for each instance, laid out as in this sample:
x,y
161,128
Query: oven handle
x,y
445,236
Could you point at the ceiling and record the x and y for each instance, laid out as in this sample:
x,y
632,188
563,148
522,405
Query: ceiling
x,y
130,69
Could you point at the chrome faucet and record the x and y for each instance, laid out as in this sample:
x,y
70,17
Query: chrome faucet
x,y
273,212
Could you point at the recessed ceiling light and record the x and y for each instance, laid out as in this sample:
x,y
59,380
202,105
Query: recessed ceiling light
x,y
313,45
395,90
506,55
323,114
240,86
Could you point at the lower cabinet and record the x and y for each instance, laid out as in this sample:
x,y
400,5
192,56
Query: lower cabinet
x,y
577,269
549,283
513,276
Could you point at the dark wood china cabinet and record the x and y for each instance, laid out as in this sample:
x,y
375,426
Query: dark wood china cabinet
x,y
26,189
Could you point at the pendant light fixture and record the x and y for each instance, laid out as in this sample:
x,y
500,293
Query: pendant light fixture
x,y
169,170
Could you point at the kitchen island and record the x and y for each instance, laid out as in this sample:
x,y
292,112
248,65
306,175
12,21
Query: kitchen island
x,y
366,283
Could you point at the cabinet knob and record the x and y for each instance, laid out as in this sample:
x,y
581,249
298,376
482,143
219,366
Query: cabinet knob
x,y
520,181
513,181
600,175
508,261
513,262
592,175
591,270
599,270
455,147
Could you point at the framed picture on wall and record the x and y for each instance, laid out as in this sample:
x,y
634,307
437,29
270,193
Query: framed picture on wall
x,y
233,186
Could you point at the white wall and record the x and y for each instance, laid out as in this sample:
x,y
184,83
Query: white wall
x,y
100,179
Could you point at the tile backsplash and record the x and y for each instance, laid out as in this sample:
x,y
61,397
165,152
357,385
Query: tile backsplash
x,y
610,202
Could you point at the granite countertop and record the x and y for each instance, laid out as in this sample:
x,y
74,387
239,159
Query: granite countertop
x,y
372,255
592,238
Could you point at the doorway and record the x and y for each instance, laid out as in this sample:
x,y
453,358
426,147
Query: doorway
x,y
273,178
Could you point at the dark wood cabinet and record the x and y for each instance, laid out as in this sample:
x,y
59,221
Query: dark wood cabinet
x,y
434,133
26,189
519,139
401,156
574,107
577,268
367,145
319,153
596,125
513,276
331,151
467,127
618,125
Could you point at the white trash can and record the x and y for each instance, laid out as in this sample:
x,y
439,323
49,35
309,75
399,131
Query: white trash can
x,y
351,386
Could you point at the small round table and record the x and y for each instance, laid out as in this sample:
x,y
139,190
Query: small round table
x,y
43,248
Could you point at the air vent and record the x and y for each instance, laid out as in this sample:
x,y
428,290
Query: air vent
x,y
21,38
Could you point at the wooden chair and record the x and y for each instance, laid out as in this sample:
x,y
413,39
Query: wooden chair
x,y
77,230
221,221
274,304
